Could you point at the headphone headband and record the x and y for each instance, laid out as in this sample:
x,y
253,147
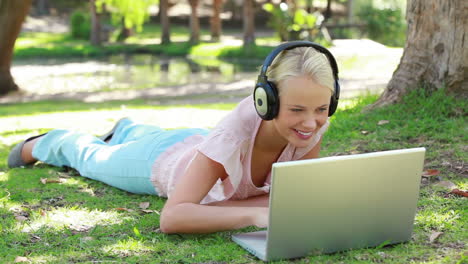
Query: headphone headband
x,y
295,44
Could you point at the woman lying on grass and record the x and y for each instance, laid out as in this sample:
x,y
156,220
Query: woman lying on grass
x,y
214,180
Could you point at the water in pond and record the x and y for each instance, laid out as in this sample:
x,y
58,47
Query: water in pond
x,y
125,72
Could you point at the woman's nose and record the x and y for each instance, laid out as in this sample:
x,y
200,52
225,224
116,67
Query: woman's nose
x,y
310,123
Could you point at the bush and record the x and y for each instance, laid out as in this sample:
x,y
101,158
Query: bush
x,y
386,25
80,24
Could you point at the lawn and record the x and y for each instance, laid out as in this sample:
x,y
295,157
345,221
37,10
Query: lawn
x,y
51,215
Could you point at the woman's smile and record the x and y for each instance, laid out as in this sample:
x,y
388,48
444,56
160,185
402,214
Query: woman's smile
x,y
302,134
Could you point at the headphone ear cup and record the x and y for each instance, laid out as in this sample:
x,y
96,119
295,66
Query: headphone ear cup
x,y
273,101
333,105
261,100
266,100
334,99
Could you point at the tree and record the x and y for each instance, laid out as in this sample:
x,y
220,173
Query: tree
x,y
216,20
165,24
42,7
436,50
194,22
125,30
350,11
328,10
309,6
95,24
249,23
12,15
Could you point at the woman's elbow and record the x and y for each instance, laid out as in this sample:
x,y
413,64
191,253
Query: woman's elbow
x,y
166,225
166,229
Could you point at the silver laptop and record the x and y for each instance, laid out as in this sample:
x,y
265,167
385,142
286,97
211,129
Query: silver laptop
x,y
339,203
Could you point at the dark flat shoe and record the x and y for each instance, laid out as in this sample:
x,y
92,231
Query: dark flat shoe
x,y
14,158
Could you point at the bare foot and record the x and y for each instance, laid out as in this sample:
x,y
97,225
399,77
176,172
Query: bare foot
x,y
26,152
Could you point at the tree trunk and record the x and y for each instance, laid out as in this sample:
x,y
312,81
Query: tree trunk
x,y
350,11
309,6
292,5
95,24
235,7
194,23
249,23
328,11
164,17
216,20
12,15
436,50
42,7
125,32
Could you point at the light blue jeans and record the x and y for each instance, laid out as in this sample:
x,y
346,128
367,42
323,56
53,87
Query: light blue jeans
x,y
124,162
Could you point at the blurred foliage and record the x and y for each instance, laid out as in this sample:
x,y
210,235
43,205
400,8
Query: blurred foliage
x,y
130,13
80,25
381,4
386,25
346,33
292,24
384,19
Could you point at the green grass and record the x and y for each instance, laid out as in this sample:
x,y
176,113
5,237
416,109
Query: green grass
x,y
78,220
153,31
44,45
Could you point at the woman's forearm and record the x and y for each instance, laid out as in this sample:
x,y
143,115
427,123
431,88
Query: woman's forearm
x,y
256,201
196,218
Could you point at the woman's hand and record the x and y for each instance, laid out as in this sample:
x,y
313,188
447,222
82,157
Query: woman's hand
x,y
261,218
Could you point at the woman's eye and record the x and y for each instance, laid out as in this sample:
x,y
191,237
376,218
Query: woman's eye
x,y
323,109
296,109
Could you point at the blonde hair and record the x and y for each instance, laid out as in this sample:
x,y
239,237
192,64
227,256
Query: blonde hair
x,y
301,61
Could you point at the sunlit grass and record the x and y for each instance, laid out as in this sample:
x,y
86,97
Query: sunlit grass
x,y
128,247
209,50
44,259
154,31
34,39
441,221
71,218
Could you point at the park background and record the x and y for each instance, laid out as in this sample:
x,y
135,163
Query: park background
x,y
80,69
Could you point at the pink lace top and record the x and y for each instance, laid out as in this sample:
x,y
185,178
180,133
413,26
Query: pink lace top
x,y
230,143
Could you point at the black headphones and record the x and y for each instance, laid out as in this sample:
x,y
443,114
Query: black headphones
x,y
265,94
